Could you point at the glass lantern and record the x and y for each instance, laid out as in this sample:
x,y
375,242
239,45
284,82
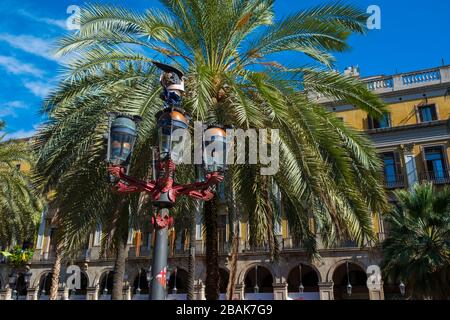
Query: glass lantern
x,y
214,148
173,125
122,137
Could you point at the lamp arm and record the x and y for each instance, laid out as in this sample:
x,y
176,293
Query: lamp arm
x,y
202,189
132,184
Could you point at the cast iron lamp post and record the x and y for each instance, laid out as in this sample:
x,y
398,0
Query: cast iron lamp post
x,y
172,125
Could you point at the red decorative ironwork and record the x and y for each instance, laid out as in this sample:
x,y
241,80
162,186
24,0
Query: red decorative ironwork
x,y
162,277
165,183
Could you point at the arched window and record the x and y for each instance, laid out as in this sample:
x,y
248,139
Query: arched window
x,y
80,294
178,279
106,284
45,283
303,276
259,280
355,276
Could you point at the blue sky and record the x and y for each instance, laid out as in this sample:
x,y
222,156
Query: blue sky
x,y
414,34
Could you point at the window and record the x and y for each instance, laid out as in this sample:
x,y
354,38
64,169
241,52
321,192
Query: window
x,y
392,168
427,113
383,122
435,162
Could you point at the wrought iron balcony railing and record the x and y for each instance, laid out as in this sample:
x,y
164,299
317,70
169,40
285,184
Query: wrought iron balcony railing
x,y
441,177
394,181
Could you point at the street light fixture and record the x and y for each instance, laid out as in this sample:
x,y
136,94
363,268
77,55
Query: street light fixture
x,y
256,288
301,288
172,124
175,290
214,149
349,286
122,138
138,289
402,287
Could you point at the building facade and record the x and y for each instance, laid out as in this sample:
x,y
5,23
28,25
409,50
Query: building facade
x,y
412,139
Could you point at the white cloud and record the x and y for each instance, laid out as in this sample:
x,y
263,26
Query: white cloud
x,y
20,134
50,21
31,44
15,66
15,104
40,89
10,108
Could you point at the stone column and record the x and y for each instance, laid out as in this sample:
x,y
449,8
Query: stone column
x,y
32,294
6,294
326,290
63,293
92,293
376,294
127,293
199,291
239,292
280,291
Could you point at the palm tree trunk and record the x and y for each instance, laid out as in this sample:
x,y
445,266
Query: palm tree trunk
x,y
119,271
120,237
234,235
233,266
212,261
56,270
191,257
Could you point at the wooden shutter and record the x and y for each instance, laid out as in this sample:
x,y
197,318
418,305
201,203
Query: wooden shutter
x,y
138,242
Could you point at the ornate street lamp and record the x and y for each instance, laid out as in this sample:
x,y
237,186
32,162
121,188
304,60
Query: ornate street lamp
x,y
402,288
172,125
349,286
215,149
122,135
301,288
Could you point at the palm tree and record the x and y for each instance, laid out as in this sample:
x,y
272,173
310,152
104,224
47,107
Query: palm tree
x,y
417,251
20,208
227,50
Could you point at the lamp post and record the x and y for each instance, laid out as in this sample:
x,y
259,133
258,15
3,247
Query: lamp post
x,y
301,288
349,286
174,290
172,125
256,288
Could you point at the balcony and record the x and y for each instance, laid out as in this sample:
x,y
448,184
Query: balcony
x,y
398,82
437,178
394,182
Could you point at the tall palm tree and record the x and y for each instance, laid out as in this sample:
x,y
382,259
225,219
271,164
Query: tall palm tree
x,y
227,49
20,208
417,250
